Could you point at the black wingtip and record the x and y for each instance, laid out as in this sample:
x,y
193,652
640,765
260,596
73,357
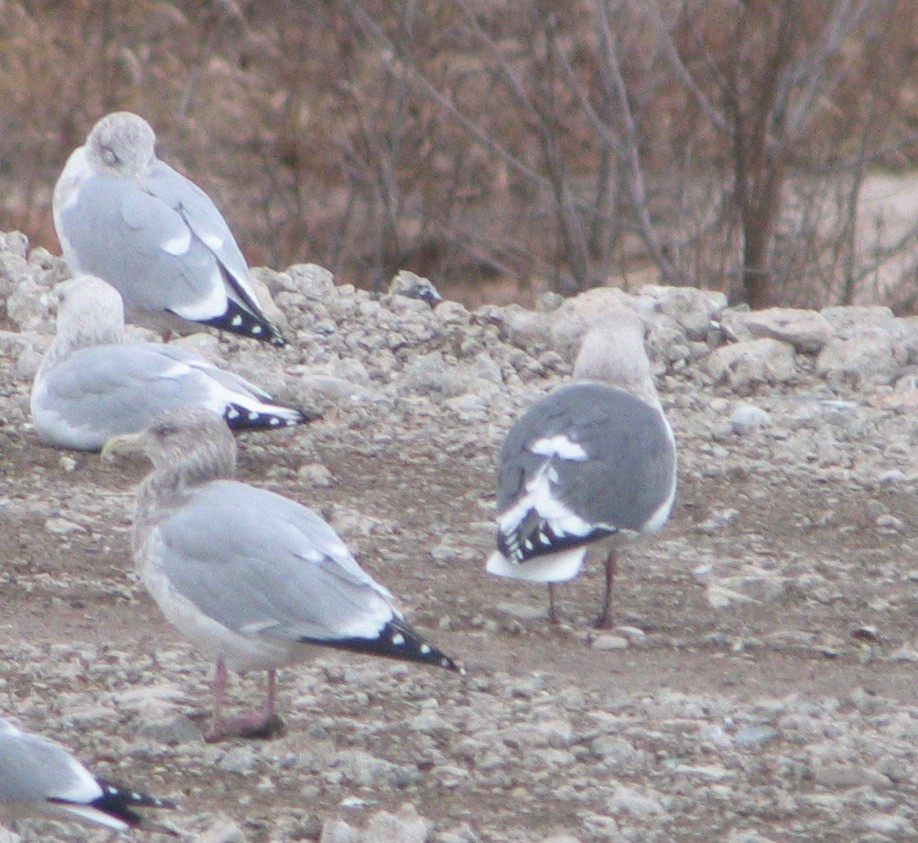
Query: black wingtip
x,y
535,537
238,320
244,418
396,640
120,802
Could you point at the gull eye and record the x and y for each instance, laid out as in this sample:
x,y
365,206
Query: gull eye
x,y
165,429
109,156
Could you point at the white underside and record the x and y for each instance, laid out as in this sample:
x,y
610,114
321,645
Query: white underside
x,y
209,306
238,651
550,567
62,811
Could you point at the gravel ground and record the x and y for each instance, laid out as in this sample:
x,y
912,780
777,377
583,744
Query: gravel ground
x,y
761,686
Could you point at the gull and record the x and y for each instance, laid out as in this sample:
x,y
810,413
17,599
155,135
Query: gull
x,y
92,385
40,778
124,215
592,462
254,579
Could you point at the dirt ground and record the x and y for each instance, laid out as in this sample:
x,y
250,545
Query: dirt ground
x,y
726,716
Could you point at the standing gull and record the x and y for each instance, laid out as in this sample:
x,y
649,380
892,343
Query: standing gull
x,y
92,385
254,579
593,462
39,778
124,215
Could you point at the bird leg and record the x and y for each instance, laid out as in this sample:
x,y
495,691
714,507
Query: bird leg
x,y
552,614
263,724
604,621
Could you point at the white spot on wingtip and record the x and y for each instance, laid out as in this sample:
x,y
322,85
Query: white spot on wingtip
x,y
425,649
398,639
232,413
236,321
274,420
253,416
256,329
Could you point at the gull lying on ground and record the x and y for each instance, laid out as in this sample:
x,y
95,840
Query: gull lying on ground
x,y
39,778
124,215
592,462
254,579
93,385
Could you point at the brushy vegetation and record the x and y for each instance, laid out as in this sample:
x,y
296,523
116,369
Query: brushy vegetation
x,y
532,144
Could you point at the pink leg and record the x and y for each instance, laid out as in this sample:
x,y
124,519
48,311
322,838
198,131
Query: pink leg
x,y
604,621
552,614
261,725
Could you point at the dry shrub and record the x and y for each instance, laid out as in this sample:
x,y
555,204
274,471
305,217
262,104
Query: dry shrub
x,y
542,143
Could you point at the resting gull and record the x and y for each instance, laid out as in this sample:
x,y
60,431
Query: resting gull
x,y
254,579
39,778
124,215
93,385
594,461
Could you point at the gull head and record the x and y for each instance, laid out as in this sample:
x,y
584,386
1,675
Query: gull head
x,y
189,444
612,351
122,144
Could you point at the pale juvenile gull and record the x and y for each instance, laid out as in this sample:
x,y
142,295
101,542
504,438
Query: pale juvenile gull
x,y
592,462
39,778
254,579
124,215
93,385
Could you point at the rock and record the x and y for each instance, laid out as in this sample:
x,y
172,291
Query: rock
x,y
609,642
338,831
641,804
315,474
430,374
749,417
310,280
691,308
28,306
865,358
413,286
172,732
224,831
62,526
746,364
806,330
528,330
405,826
892,825
241,760
853,319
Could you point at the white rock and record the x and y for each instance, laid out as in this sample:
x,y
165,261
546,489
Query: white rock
x,y
338,831
312,281
746,364
749,417
639,803
406,826
692,308
865,358
609,642
224,831
807,330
